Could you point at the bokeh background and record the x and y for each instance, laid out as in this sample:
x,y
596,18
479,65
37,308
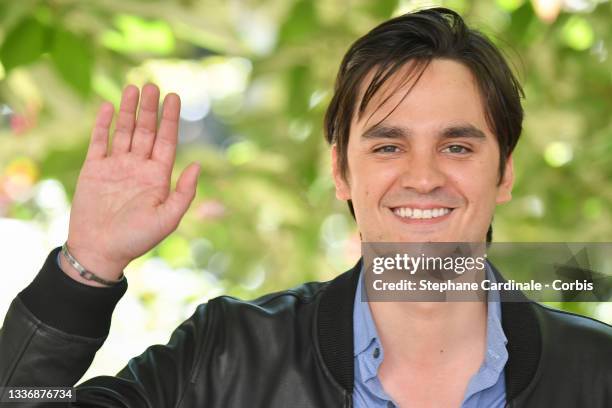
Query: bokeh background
x,y
255,78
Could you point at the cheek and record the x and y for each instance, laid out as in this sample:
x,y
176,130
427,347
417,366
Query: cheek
x,y
376,183
371,179
478,183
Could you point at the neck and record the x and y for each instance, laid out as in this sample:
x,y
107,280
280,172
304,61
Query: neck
x,y
430,333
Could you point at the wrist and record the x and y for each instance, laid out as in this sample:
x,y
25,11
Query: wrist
x,y
60,302
102,268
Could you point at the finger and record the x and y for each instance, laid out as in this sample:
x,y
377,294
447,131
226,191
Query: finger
x,y
177,203
164,149
125,120
99,135
146,124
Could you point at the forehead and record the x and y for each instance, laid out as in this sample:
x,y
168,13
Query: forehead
x,y
442,94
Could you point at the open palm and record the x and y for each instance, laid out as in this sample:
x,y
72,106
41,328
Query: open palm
x,y
123,205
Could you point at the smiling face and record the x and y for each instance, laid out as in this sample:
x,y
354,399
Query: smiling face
x,y
429,171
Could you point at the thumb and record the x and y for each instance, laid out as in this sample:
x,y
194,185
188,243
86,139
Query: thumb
x,y
177,203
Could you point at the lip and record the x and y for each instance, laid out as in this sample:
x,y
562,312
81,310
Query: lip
x,y
422,221
427,206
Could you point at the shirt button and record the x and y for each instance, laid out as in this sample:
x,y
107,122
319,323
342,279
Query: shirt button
x,y
376,353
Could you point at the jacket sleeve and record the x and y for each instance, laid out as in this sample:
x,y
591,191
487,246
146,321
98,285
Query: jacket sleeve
x,y
55,326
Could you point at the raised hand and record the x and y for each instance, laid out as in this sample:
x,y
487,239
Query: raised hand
x,y
123,206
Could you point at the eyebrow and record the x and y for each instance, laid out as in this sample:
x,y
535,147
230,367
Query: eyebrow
x,y
381,131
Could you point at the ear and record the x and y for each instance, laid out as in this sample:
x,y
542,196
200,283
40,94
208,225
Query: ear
x,y
343,191
504,190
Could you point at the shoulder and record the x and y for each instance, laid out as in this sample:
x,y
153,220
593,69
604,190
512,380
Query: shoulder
x,y
575,337
568,323
275,323
280,305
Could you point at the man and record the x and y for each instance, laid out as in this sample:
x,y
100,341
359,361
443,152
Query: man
x,y
422,125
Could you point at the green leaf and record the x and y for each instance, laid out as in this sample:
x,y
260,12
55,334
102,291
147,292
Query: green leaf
x,y
300,24
135,34
382,9
520,29
73,60
299,88
24,44
578,34
509,5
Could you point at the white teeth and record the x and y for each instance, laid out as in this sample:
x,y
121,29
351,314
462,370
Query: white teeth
x,y
417,213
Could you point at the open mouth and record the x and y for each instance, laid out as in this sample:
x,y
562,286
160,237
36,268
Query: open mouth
x,y
422,214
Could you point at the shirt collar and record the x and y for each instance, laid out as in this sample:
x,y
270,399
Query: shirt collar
x,y
497,354
364,330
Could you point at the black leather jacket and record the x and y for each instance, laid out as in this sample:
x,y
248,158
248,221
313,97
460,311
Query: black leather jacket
x,y
288,349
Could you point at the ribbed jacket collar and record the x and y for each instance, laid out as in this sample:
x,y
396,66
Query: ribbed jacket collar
x,y
335,333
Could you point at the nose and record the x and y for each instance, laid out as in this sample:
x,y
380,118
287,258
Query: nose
x,y
421,172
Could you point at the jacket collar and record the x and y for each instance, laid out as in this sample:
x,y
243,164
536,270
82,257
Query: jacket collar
x,y
335,333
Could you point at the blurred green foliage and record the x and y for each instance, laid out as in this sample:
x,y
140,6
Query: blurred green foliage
x,y
265,217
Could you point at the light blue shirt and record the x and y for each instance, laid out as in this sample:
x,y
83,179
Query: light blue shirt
x,y
486,389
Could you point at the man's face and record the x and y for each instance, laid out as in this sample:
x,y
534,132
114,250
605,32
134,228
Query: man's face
x,y
430,170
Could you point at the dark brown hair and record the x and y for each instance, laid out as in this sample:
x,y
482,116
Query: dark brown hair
x,y
419,37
